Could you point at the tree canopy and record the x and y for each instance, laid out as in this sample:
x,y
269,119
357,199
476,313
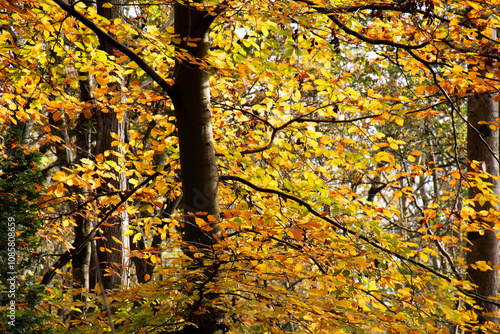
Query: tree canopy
x,y
304,166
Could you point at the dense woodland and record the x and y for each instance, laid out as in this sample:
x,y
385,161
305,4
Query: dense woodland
x,y
259,166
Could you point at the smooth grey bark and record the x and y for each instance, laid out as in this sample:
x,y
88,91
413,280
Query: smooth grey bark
x,y
194,124
196,146
482,146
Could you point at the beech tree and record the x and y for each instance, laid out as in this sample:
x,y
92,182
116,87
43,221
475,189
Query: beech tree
x,y
482,152
278,166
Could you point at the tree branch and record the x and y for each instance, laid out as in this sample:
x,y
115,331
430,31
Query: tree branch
x,y
69,254
334,222
373,41
452,105
118,46
332,15
303,119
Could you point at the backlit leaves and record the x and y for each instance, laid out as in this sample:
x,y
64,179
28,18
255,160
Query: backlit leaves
x,y
341,106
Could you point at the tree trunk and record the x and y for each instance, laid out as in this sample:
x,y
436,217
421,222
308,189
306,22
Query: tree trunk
x,y
197,154
194,123
483,246
110,252
67,158
81,260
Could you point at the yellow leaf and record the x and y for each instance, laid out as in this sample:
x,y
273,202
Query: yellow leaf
x,y
246,214
147,226
340,148
107,5
444,331
417,153
201,213
146,207
230,213
153,30
116,240
424,257
456,174
483,266
57,115
457,69
97,289
265,32
137,237
482,200
200,222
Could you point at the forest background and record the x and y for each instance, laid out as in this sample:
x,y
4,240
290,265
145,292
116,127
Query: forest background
x,y
249,166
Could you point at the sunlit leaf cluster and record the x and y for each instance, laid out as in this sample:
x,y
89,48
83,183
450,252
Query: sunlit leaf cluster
x,y
339,133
